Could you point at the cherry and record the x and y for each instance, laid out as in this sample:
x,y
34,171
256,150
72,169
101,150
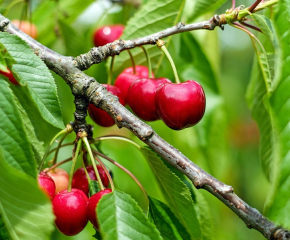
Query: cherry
x,y
127,77
26,27
141,97
70,209
46,184
80,180
99,116
93,202
60,178
10,76
180,105
107,34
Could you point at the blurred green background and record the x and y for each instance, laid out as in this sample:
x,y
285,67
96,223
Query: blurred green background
x,y
225,143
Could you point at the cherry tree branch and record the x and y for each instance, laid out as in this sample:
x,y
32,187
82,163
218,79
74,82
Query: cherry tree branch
x,y
87,90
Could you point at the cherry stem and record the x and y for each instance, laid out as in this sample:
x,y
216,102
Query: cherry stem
x,y
111,71
254,5
87,174
64,145
75,157
132,61
106,171
251,26
93,162
148,61
126,171
58,164
54,160
114,137
68,129
233,4
161,45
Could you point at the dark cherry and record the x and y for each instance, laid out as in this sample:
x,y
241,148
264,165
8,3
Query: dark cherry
x,y
46,184
141,97
107,34
80,180
10,76
100,116
93,202
70,209
127,77
180,105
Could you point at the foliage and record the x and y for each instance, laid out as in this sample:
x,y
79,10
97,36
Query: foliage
x,y
224,143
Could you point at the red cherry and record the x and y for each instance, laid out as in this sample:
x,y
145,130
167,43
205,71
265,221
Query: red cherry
x,y
80,180
70,209
93,202
26,27
127,77
99,116
180,105
141,97
10,76
107,34
60,178
46,184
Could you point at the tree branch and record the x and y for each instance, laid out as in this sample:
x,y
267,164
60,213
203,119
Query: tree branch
x,y
88,89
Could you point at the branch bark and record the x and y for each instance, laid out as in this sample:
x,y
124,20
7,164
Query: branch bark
x,y
86,89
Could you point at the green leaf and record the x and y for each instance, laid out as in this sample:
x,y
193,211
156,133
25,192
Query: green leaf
x,y
120,217
4,235
197,65
278,205
153,17
176,192
26,211
202,7
13,139
266,25
31,119
32,71
45,17
166,222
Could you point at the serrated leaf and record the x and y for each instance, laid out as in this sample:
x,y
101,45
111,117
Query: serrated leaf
x,y
278,205
176,193
30,118
120,217
202,7
265,24
153,17
26,211
33,72
13,139
45,17
257,94
166,222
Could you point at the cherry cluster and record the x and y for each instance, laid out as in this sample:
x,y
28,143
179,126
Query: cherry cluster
x,y
179,105
74,208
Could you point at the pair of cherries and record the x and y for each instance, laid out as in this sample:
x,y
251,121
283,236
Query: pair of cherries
x,y
73,209
178,105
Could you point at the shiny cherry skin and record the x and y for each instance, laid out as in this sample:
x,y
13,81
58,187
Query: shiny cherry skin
x,y
10,76
26,27
46,184
141,97
99,116
60,178
180,105
107,34
93,203
127,77
70,210
80,180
